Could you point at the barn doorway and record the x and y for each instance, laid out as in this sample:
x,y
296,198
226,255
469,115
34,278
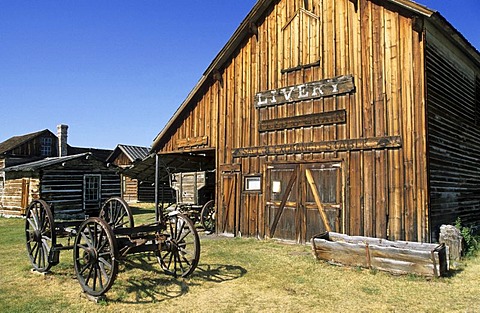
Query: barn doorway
x,y
304,199
228,216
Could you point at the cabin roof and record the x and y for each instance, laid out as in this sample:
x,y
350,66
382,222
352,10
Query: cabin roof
x,y
243,31
133,153
101,154
44,163
17,141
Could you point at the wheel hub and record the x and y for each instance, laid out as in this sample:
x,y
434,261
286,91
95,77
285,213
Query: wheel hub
x,y
37,236
90,256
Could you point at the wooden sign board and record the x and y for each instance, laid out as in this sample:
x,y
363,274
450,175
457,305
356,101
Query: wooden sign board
x,y
326,118
324,88
192,142
373,143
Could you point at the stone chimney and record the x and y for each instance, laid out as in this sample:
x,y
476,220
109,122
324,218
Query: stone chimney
x,y
62,139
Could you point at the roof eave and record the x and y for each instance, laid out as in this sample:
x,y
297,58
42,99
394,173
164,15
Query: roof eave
x,y
222,57
455,36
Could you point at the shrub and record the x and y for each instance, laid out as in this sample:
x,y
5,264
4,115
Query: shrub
x,y
470,240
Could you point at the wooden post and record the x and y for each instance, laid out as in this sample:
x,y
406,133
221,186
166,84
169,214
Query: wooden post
x,y
318,201
156,189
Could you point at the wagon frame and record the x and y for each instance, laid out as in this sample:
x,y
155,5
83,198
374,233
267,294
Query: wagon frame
x,y
101,242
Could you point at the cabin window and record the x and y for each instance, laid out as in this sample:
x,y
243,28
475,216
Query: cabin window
x,y
252,183
92,187
46,146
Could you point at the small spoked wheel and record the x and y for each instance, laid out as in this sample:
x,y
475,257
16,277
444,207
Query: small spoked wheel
x,y
207,216
180,253
40,233
95,256
117,213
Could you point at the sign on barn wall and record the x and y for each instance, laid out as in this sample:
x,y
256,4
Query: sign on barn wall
x,y
308,91
325,118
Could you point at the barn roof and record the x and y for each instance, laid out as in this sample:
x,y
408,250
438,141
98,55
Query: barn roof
x,y
16,141
38,165
133,153
243,31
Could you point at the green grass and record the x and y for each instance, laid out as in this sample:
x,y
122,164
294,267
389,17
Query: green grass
x,y
234,275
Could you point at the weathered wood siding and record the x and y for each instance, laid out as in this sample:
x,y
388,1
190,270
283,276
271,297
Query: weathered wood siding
x,y
141,191
17,194
33,148
122,160
453,97
129,189
297,42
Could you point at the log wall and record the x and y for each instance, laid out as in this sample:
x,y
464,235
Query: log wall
x,y
63,186
17,194
453,97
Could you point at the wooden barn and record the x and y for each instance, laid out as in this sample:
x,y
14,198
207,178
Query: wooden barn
x,y
356,116
74,185
133,190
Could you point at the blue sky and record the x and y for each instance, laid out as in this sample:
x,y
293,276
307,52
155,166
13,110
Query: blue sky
x,y
115,71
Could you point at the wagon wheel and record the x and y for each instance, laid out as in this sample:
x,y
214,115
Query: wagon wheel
x,y
117,213
40,233
207,216
180,252
95,256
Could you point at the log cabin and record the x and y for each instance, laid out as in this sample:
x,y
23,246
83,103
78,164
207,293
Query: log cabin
x,y
354,116
73,180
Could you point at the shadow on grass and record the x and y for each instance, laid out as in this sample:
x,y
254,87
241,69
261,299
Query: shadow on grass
x,y
218,273
140,211
453,272
149,284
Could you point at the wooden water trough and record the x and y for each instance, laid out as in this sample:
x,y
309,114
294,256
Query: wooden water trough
x,y
397,257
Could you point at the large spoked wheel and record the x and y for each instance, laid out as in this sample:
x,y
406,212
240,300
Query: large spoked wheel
x,y
117,213
95,256
40,232
207,216
180,253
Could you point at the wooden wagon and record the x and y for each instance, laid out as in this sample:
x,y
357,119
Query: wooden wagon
x,y
101,241
398,257
195,196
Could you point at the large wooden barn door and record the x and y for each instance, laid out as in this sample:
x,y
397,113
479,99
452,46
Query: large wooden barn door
x,y
303,200
228,213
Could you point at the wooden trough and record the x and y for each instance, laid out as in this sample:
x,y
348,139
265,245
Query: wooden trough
x,y
397,257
